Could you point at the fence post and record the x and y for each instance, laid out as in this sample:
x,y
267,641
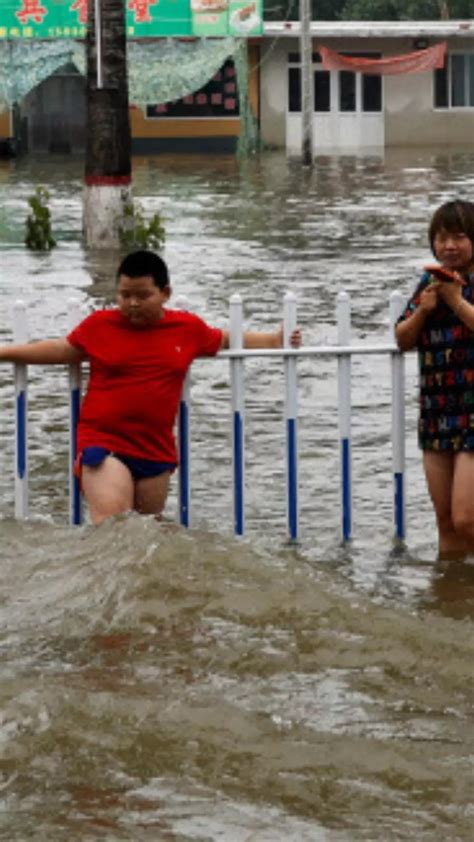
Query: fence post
x,y
184,503
398,422
74,374
237,377
291,417
343,315
20,336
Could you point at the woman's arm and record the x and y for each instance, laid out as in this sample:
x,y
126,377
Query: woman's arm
x,y
44,351
452,296
408,331
260,339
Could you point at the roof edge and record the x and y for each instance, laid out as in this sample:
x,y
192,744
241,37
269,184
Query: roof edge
x,y
373,29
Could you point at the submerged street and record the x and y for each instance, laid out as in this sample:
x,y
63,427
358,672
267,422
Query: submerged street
x,y
159,683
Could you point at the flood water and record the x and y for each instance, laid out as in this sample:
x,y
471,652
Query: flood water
x,y
167,684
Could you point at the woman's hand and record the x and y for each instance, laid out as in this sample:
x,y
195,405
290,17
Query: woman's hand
x,y
429,296
407,332
451,294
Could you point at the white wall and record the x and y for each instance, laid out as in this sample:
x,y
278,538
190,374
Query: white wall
x,y
410,118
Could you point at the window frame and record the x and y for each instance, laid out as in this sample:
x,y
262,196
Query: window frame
x,y
447,70
294,63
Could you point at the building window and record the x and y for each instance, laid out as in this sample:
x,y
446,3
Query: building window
x,y
322,90
353,91
347,90
454,83
371,93
219,98
294,89
361,91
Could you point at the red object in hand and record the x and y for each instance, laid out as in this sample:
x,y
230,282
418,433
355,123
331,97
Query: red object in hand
x,y
442,274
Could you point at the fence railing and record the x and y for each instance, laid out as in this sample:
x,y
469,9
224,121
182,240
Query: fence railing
x,y
343,351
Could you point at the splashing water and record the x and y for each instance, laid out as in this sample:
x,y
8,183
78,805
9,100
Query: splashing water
x,y
164,684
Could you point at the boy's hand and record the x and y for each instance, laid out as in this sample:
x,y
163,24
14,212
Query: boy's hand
x,y
295,338
260,339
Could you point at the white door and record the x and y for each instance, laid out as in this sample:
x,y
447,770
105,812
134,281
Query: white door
x,y
348,109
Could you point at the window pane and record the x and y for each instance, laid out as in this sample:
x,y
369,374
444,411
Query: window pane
x,y
458,97
371,93
322,90
347,90
294,89
441,88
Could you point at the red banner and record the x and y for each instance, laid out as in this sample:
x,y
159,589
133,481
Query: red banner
x,y
417,62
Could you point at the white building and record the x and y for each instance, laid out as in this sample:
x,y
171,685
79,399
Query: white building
x,y
354,111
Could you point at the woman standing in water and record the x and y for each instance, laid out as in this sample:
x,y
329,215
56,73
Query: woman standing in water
x,y
439,321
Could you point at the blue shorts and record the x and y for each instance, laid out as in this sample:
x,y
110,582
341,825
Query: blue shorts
x,y
139,468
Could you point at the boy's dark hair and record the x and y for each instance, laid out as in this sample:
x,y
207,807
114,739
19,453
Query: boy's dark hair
x,y
141,263
455,217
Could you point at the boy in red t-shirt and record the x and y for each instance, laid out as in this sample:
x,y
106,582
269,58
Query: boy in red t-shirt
x,y
139,353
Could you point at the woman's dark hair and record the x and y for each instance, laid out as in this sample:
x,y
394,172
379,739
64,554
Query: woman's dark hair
x,y
455,217
140,264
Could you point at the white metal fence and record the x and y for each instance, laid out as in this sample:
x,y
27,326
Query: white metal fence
x,y
343,351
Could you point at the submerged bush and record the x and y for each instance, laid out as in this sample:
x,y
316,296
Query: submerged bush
x,y
38,224
136,232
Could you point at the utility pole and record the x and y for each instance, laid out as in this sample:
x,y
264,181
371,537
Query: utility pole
x,y
307,104
107,188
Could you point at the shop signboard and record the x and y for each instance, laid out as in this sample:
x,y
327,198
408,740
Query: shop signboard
x,y
27,19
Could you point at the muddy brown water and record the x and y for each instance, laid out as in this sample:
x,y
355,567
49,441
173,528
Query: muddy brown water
x,y
164,684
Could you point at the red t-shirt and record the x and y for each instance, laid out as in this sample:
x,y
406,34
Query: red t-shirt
x,y
136,376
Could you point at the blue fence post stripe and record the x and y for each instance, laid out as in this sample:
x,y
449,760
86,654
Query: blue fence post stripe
x,y
238,413
398,423
291,415
292,491
238,444
346,489
399,506
183,439
75,489
21,435
20,335
184,425
343,314
75,315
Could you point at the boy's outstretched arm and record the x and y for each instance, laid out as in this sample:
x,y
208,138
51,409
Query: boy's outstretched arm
x,y
44,351
260,339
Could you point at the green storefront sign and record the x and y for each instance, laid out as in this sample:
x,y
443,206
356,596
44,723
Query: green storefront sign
x,y
145,18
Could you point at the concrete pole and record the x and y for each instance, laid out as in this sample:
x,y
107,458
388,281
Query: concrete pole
x,y
108,168
307,102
